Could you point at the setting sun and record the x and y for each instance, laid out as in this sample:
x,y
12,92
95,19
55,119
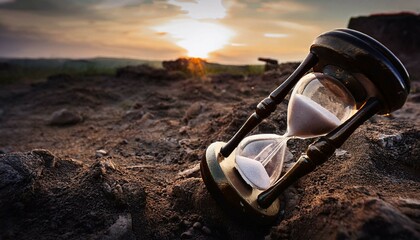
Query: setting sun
x,y
196,37
198,30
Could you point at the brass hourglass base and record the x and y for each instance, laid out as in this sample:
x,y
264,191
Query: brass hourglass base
x,y
230,190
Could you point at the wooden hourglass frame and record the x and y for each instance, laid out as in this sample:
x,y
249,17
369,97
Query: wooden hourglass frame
x,y
376,79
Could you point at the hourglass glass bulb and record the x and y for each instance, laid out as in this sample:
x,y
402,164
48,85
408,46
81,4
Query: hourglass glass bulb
x,y
253,172
306,118
259,158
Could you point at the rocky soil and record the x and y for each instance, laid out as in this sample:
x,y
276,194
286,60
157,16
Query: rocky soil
x,y
118,158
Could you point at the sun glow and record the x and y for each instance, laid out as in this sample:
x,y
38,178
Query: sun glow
x,y
197,29
197,37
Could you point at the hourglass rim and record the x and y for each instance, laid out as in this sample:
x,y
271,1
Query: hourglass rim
x,y
360,53
386,52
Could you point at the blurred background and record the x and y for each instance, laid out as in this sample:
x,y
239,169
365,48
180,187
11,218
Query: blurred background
x,y
224,31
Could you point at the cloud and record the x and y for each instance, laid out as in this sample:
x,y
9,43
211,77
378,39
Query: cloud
x,y
124,31
201,9
112,4
24,43
234,30
295,25
238,44
89,9
282,29
280,7
5,1
276,35
48,6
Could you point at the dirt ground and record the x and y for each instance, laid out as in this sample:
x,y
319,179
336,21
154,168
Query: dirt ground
x,y
127,165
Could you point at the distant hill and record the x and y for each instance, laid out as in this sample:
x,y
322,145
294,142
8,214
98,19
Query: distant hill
x,y
34,70
12,70
400,32
64,62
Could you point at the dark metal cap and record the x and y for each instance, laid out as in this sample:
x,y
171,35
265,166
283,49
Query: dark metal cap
x,y
359,53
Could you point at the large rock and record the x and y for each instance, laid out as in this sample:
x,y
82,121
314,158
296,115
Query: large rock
x,y
65,117
399,32
17,174
379,219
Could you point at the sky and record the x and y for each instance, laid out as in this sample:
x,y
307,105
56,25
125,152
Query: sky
x,y
225,31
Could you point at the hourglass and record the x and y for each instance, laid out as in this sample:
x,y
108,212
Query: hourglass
x,y
354,77
318,104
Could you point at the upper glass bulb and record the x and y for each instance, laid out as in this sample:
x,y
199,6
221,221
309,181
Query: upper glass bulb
x,y
318,104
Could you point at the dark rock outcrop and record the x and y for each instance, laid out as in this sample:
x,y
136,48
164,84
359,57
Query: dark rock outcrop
x,y
17,174
270,64
400,32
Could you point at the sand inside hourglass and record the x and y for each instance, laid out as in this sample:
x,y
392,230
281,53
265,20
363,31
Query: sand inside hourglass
x,y
306,118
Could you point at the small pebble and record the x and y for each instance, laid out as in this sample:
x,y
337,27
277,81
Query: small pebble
x,y
125,154
101,153
187,235
118,188
389,140
183,130
174,218
206,230
47,156
121,229
342,153
107,188
186,223
193,111
64,117
197,225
